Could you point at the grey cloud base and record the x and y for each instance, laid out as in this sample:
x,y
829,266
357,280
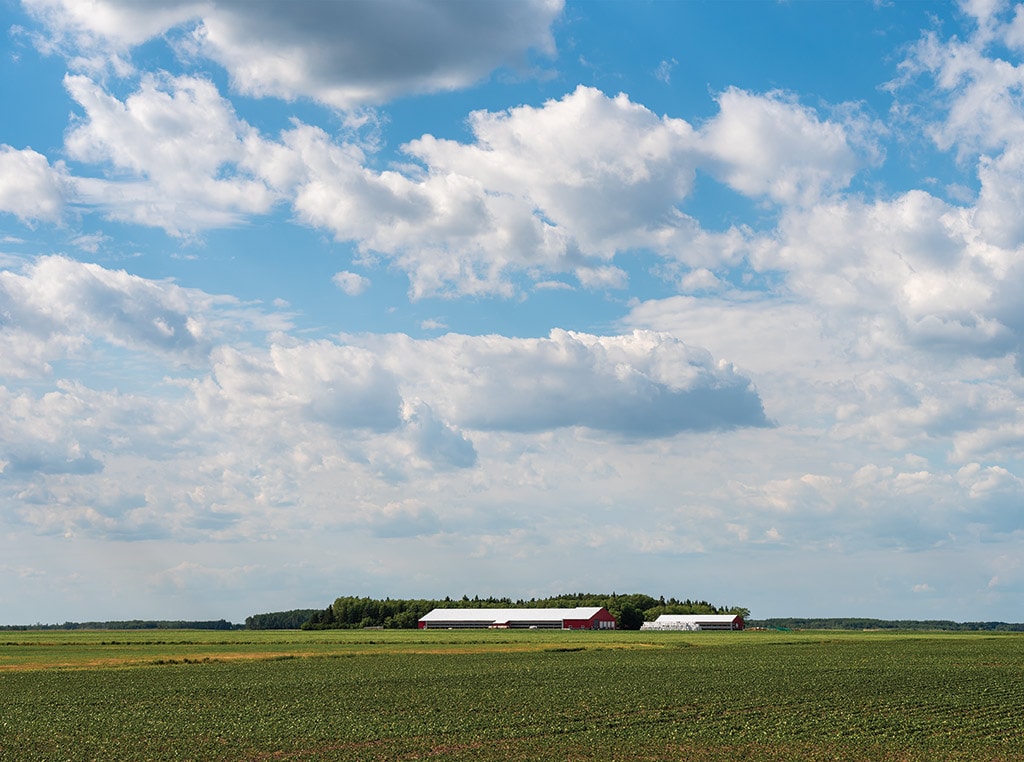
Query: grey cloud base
x,y
643,384
343,54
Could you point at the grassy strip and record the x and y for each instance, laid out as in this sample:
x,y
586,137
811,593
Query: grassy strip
x,y
42,651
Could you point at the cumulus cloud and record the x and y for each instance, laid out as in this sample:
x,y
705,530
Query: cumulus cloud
x,y
560,188
56,306
911,270
971,88
30,188
700,279
746,329
973,95
75,459
341,54
58,297
769,145
997,214
341,386
605,170
120,25
435,440
351,283
175,151
643,384
877,504
638,385
973,107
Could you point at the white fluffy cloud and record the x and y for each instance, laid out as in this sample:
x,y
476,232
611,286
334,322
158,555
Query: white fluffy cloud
x,y
974,92
547,188
30,188
61,297
772,146
351,283
340,386
606,172
914,270
120,25
182,148
976,112
887,505
1002,197
440,443
55,307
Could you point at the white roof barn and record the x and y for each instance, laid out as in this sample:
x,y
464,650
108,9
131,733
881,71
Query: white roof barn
x,y
695,622
579,618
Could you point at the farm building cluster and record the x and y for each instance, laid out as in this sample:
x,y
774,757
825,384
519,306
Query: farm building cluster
x,y
579,618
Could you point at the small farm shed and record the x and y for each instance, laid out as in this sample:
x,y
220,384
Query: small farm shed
x,y
695,622
579,618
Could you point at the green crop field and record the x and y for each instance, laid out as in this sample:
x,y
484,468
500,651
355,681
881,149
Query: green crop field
x,y
510,695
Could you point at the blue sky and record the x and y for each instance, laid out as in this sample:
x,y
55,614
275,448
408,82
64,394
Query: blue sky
x,y
712,300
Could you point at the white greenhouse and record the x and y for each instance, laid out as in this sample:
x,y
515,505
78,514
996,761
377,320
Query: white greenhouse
x,y
692,622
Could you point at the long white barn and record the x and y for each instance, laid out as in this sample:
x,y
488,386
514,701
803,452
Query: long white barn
x,y
579,618
695,622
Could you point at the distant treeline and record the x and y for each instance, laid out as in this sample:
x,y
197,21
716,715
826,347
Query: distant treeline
x,y
131,624
280,620
349,612
844,623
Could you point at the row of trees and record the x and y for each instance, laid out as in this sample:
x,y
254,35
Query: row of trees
x,y
280,620
131,624
856,623
630,610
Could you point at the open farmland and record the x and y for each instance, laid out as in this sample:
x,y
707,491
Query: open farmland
x,y
341,695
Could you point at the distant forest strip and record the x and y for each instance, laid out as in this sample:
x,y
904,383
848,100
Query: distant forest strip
x,y
349,612
853,623
130,624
